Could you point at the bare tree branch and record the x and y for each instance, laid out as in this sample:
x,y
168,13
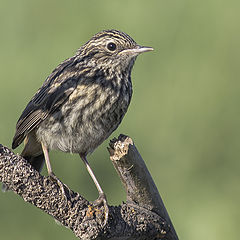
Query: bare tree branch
x,y
142,217
139,185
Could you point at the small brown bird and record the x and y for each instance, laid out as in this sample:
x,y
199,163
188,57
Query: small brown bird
x,y
81,102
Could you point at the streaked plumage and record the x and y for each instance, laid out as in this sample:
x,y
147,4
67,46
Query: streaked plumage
x,y
82,101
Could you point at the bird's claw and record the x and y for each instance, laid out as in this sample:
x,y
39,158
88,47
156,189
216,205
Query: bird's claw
x,y
102,200
54,178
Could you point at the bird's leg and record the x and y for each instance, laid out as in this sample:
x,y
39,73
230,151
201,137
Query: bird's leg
x,y
50,172
47,160
102,197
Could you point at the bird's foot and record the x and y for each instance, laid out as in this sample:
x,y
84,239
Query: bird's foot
x,y
102,200
62,187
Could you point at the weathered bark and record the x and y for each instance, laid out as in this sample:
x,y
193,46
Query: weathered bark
x,y
143,216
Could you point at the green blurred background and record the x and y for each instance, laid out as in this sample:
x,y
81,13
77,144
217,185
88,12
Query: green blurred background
x,y
184,116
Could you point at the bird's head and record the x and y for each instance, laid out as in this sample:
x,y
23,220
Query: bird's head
x,y
112,49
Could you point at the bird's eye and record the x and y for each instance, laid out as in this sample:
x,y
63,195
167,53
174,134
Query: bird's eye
x,y
111,46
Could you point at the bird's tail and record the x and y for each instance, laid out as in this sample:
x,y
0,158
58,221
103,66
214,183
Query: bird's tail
x,y
36,161
32,152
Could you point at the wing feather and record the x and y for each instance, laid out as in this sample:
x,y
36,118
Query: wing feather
x,y
54,92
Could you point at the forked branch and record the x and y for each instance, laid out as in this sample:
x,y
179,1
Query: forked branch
x,y
143,216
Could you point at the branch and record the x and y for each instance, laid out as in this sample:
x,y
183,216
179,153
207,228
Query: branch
x,y
143,216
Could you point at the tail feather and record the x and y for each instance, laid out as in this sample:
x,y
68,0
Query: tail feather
x,y
37,162
32,152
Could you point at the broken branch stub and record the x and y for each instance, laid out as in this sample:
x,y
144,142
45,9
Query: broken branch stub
x,y
138,183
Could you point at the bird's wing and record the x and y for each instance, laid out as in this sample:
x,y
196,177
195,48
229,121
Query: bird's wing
x,y
54,92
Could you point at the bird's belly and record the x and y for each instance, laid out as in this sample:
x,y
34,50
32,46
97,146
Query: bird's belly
x,y
81,139
81,130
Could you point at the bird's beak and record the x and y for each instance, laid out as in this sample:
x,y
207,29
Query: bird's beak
x,y
141,49
137,50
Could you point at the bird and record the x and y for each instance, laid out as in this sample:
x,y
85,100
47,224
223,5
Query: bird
x,y
81,102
